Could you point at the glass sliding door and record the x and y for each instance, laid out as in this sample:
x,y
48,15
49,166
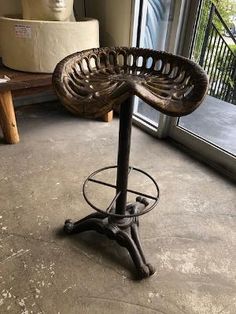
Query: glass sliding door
x,y
210,131
156,18
195,30
214,122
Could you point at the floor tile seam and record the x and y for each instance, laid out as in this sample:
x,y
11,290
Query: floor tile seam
x,y
122,301
150,239
29,238
196,240
231,287
198,214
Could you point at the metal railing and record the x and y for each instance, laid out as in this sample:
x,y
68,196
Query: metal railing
x,y
218,58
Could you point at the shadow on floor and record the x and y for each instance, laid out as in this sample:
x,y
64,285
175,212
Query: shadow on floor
x,y
110,252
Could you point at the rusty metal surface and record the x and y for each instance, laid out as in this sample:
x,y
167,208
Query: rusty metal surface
x,y
93,82
125,231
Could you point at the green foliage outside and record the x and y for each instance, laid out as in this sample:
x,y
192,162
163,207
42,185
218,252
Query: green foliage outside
x,y
226,8
226,11
216,63
233,48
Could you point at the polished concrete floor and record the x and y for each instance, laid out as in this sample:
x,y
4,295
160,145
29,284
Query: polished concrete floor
x,y
190,237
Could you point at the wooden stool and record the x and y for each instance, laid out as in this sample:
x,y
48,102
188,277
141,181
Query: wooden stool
x,y
92,83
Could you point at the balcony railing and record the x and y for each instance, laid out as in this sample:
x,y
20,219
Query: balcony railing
x,y
218,58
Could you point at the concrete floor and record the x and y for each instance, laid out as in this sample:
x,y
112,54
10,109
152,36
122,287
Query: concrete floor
x,y
190,237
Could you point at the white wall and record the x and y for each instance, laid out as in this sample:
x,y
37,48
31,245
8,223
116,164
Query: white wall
x,y
115,18
10,7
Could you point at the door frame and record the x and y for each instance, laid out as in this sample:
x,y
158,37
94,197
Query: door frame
x,y
204,150
176,28
183,30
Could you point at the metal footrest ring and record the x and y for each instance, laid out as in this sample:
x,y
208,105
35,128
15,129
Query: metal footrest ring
x,y
142,197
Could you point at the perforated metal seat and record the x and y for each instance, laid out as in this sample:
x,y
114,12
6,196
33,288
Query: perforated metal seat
x,y
93,82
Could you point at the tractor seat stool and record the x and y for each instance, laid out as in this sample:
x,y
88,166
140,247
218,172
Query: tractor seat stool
x,y
93,82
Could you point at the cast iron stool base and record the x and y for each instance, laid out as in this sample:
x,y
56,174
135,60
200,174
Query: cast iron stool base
x,y
120,222
123,230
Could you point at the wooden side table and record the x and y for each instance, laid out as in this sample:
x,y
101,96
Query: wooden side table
x,y
21,83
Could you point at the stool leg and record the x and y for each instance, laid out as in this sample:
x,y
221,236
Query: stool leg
x,y
125,238
136,239
123,231
84,224
8,119
108,116
88,224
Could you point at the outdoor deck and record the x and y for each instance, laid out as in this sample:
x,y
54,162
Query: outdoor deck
x,y
214,121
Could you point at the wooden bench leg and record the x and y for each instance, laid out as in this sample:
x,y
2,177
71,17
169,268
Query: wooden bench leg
x,y
108,116
8,119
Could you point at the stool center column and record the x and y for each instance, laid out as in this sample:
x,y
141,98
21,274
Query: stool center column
x,y
126,111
